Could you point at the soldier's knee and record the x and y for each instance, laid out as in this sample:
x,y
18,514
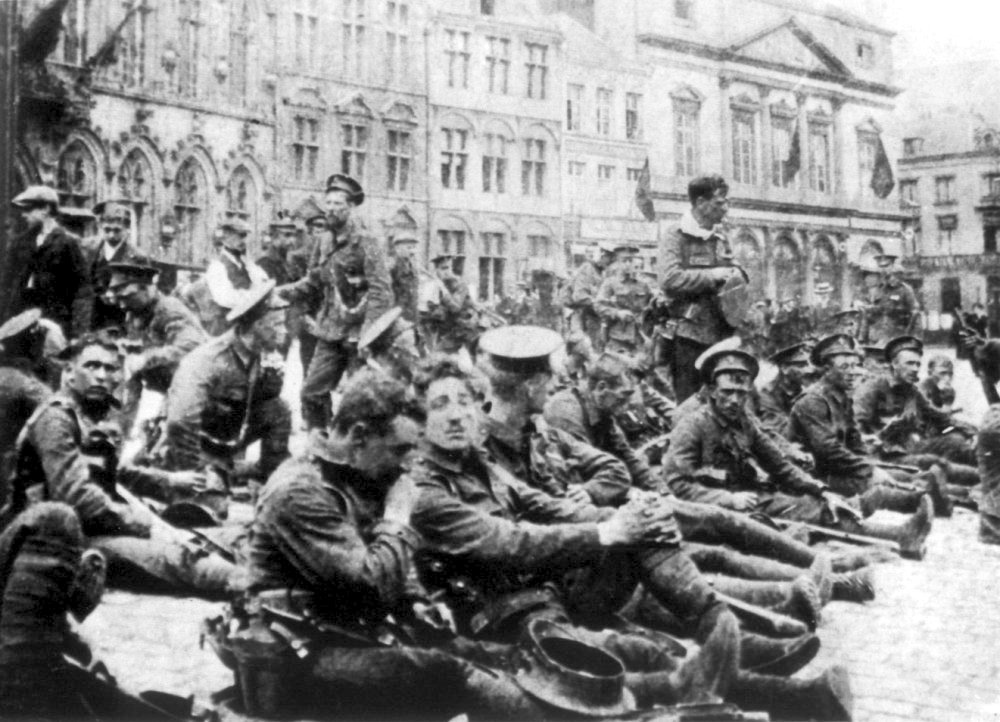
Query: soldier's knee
x,y
51,520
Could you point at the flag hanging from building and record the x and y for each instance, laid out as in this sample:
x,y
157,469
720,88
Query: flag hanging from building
x,y
882,180
791,166
643,199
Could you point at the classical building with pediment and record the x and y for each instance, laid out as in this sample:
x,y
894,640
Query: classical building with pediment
x,y
791,102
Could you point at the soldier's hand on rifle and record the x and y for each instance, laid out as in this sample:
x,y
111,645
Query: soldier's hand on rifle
x,y
838,507
401,500
188,482
744,500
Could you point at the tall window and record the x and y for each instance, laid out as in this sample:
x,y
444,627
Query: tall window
x,y
944,186
788,269
908,192
135,184
397,38
539,246
306,20
305,148
781,148
75,41
76,176
533,168
744,146
354,37
686,138
865,53
492,263
398,160
498,64
495,163
605,173
188,75
684,9
991,185
453,244
457,53
132,49
241,198
867,151
576,168
353,150
239,28
191,210
574,106
538,70
633,127
603,111
947,225
819,157
454,157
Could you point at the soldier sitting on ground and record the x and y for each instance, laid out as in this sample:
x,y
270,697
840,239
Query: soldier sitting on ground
x,y
719,455
778,395
68,452
503,551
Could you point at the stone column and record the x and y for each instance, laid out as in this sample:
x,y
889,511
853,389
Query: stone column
x,y
770,274
803,128
837,148
765,146
726,128
809,258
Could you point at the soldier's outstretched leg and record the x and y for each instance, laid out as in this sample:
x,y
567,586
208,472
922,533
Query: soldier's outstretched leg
x,y
910,534
827,697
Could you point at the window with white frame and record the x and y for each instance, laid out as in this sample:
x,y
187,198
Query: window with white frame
x,y
744,146
633,174
574,106
633,123
819,157
398,158
867,152
908,192
306,19
397,40
354,37
492,265
533,166
537,68
781,149
605,173
686,151
452,244
353,150
495,163
454,157
305,148
457,54
944,188
576,168
498,64
603,107
132,46
76,46
190,50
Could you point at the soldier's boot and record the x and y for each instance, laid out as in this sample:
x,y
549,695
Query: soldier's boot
x,y
853,558
911,535
781,657
799,599
704,676
954,473
886,497
710,524
856,586
827,697
933,480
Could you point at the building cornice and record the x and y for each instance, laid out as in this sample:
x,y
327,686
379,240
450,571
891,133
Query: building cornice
x,y
725,55
757,204
991,155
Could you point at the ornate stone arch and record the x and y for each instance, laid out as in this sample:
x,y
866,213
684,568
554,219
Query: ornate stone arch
x,y
79,172
192,205
789,267
748,251
136,181
825,268
453,235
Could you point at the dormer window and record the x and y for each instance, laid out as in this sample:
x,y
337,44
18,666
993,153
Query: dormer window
x,y
487,7
912,146
684,10
865,54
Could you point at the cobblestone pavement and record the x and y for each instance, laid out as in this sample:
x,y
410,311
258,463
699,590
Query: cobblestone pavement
x,y
928,648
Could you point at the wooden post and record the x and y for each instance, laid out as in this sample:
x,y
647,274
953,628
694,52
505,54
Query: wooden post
x,y
9,102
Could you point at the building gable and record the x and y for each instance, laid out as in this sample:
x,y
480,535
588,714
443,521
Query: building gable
x,y
790,44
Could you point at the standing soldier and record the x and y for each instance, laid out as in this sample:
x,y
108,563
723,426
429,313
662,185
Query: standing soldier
x,y
621,300
350,272
450,321
892,305
405,279
544,309
112,247
54,275
824,311
694,272
581,293
302,324
283,237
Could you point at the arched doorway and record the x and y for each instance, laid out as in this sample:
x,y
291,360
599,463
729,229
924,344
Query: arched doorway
x,y
788,270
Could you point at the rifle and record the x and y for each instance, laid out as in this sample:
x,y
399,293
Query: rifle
x,y
821,533
763,621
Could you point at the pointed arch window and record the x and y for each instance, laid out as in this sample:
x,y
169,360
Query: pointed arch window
x,y
135,184
76,176
191,211
241,199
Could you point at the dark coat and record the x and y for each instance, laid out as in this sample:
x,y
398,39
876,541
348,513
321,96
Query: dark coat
x,y
694,293
54,278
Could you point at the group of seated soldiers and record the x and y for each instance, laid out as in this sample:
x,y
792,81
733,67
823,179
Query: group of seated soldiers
x,y
482,539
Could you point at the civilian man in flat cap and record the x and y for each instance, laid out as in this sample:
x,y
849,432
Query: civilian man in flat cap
x,y
162,327
68,452
581,293
223,398
390,345
282,237
544,309
778,395
351,275
623,296
231,271
719,455
403,270
450,322
112,247
892,308
822,420
823,310
697,265
53,274
892,407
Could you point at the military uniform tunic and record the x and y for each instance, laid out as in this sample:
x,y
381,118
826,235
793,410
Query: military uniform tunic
x,y
619,303
890,314
405,286
580,296
167,330
775,404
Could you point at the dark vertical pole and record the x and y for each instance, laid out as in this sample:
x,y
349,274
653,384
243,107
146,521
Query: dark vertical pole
x,y
9,105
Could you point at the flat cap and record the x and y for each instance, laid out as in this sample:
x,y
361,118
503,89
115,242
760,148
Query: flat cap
x,y
383,329
236,225
626,248
319,219
797,353
110,211
837,344
256,299
36,195
726,356
869,265
520,349
136,269
404,235
19,323
353,189
886,260
605,247
282,220
823,287
903,343
441,258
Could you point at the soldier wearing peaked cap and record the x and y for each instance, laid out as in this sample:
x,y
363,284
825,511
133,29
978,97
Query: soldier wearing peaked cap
x,y
224,395
621,300
718,454
53,271
891,305
450,321
113,246
581,292
778,395
403,271
348,271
